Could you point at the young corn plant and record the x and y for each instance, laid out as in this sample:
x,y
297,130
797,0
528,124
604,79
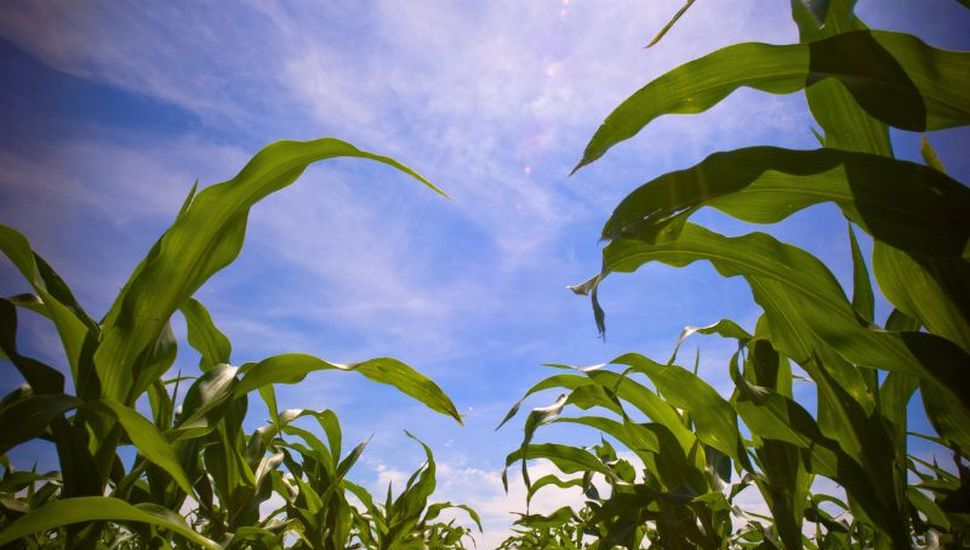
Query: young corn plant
x,y
858,83
192,455
408,521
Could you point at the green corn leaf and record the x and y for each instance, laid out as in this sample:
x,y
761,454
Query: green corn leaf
x,y
203,239
348,462
149,441
204,336
81,509
934,514
863,300
317,450
435,509
331,426
784,485
646,401
725,328
207,400
293,367
551,480
773,416
413,500
673,20
945,413
804,305
72,323
568,459
27,418
31,302
163,409
714,418
929,155
847,126
785,481
42,378
896,77
565,381
935,292
651,442
905,204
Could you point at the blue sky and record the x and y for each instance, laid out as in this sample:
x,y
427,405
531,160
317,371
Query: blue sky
x,y
111,110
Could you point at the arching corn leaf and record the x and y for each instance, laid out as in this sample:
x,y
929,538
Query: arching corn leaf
x,y
895,77
804,304
76,510
905,204
149,441
206,236
73,325
714,418
291,368
205,336
42,378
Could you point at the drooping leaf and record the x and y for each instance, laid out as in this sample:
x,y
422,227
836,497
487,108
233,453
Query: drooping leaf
x,y
149,441
565,381
895,77
725,328
568,459
818,8
42,378
291,368
904,204
803,303
932,291
205,336
72,323
714,418
76,510
204,238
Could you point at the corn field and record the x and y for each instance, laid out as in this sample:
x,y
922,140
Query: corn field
x,y
152,459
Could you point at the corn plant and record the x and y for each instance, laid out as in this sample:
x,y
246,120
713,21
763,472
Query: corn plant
x,y
192,456
858,83
408,521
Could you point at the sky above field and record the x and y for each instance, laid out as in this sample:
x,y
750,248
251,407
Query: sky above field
x,y
110,111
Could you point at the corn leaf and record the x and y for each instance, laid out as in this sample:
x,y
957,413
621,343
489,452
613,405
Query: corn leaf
x,y
905,204
204,238
28,417
149,441
863,300
81,509
42,378
803,303
205,336
673,20
72,323
291,368
714,418
895,77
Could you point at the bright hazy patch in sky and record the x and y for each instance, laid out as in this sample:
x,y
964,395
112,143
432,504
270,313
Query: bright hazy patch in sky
x,y
112,110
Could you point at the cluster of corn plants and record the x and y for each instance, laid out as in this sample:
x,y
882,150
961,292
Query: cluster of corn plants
x,y
698,449
197,478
